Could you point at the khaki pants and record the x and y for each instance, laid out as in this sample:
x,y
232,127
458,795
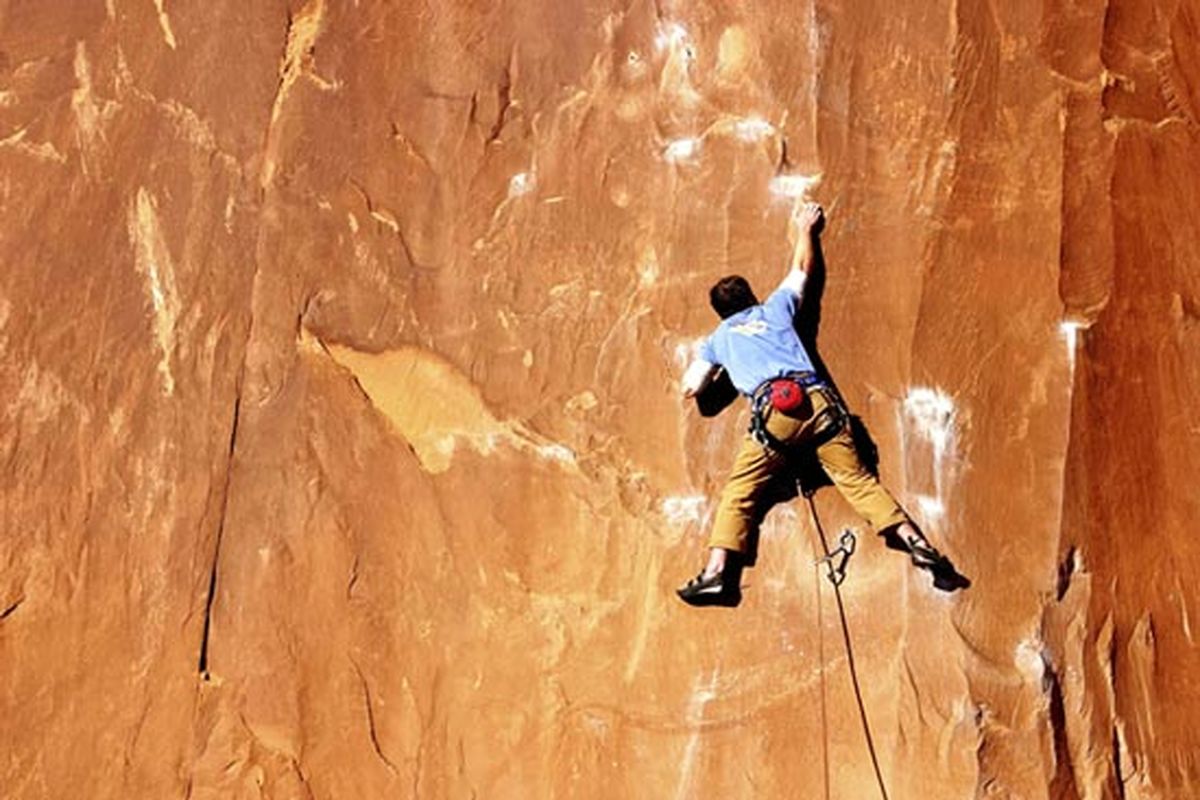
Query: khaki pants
x,y
743,500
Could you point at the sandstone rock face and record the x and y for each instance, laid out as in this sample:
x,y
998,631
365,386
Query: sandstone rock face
x,y
341,449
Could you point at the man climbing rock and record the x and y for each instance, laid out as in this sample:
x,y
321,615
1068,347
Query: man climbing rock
x,y
792,409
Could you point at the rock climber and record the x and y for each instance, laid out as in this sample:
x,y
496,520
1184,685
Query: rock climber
x,y
793,409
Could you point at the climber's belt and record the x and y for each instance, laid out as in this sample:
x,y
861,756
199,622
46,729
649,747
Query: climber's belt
x,y
788,393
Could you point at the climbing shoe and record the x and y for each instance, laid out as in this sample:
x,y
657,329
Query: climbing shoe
x,y
926,557
945,577
713,590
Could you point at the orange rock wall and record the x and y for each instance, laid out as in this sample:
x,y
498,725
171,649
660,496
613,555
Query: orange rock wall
x,y
340,447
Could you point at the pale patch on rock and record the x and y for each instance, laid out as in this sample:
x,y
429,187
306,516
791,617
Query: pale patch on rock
x,y
521,183
190,126
83,100
682,509
302,35
1030,661
703,693
670,34
932,414
932,508
648,268
687,352
634,67
557,452
43,151
164,22
682,150
387,218
795,186
433,405
733,52
584,401
42,395
1069,329
753,129
153,260
928,419
675,82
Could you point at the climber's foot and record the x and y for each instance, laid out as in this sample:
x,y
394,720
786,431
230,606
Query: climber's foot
x,y
712,589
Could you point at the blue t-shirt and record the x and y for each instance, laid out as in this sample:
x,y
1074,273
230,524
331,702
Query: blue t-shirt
x,y
759,343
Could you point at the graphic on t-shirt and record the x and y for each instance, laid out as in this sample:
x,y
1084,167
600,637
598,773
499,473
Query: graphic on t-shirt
x,y
754,327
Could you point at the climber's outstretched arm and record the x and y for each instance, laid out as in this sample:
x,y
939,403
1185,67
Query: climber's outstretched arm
x,y
806,222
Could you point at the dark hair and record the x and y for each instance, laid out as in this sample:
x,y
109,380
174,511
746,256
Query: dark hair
x,y
730,295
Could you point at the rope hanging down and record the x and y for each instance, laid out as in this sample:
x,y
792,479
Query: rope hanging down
x,y
835,562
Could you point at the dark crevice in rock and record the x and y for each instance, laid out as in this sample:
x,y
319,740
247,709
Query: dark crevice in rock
x,y
371,721
1116,764
1066,571
1117,767
353,579
202,661
504,100
1062,786
11,608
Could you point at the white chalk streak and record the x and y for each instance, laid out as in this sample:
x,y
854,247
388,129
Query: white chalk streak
x,y
795,186
932,508
670,34
153,260
682,509
1070,328
932,414
702,694
753,129
682,150
557,452
521,183
687,352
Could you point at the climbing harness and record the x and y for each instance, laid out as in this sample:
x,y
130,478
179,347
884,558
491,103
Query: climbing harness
x,y
787,393
836,562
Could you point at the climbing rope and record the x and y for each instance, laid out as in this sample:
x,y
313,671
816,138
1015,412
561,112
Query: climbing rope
x,y
835,562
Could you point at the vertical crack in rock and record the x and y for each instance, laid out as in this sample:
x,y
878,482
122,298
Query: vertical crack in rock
x,y
1062,785
202,661
1116,762
1066,571
371,730
504,101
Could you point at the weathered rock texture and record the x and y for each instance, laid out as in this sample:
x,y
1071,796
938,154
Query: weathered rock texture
x,y
340,449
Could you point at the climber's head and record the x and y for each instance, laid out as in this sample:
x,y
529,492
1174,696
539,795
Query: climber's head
x,y
730,295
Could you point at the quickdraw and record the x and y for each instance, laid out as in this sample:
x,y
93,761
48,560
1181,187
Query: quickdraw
x,y
837,560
